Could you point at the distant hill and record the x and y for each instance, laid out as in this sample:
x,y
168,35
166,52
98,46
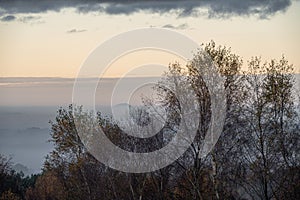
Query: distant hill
x,y
22,168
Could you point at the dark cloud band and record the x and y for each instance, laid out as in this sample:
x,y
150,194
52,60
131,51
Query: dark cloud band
x,y
216,8
8,18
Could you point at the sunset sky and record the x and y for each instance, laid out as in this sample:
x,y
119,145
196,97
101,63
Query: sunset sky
x,y
53,38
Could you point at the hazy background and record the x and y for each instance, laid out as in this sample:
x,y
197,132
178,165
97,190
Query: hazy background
x,y
28,104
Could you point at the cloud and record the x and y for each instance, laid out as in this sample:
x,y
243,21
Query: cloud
x,y
179,27
8,18
31,19
214,8
76,30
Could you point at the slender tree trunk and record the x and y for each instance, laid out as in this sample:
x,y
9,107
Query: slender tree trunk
x,y
214,176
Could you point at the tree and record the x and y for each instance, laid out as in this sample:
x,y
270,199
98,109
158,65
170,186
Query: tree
x,y
69,162
48,186
13,185
269,128
8,195
256,157
228,65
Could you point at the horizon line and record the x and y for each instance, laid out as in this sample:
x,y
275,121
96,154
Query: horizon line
x,y
61,77
109,77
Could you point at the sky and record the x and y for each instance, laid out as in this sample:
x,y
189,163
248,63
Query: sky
x,y
53,38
